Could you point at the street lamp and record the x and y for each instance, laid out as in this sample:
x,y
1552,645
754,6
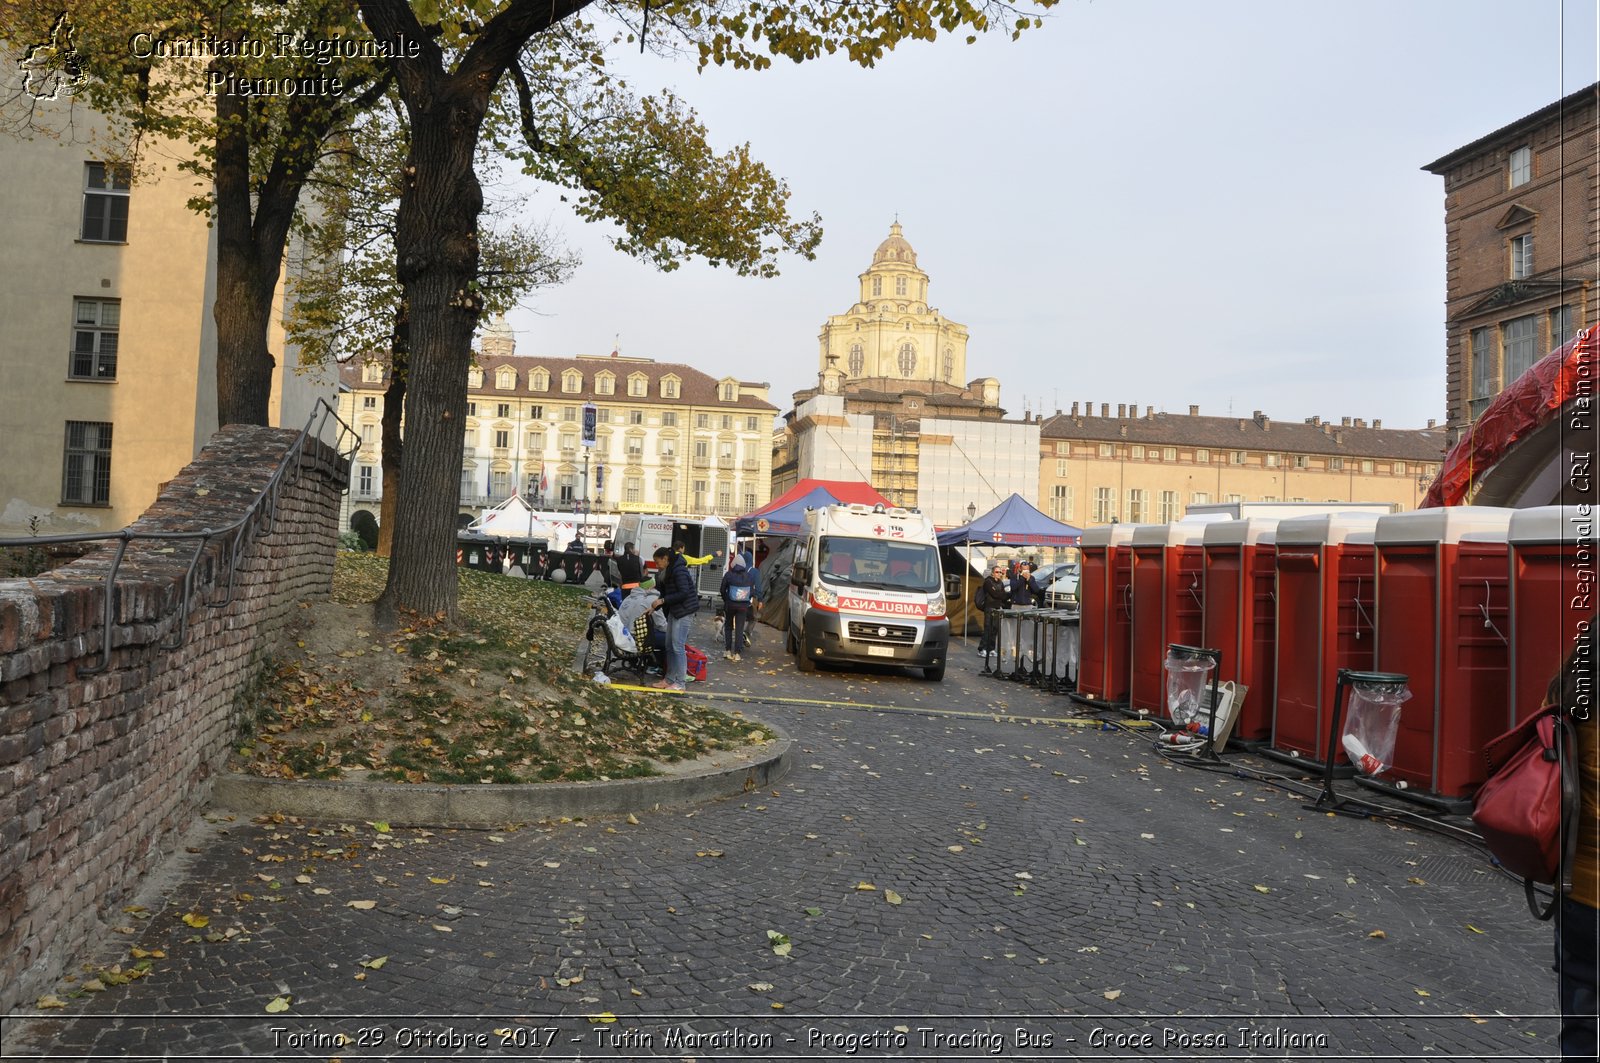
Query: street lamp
x,y
972,512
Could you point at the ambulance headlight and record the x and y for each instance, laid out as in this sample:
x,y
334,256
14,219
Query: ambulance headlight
x,y
936,604
824,598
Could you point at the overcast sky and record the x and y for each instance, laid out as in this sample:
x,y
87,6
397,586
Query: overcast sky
x,y
1147,201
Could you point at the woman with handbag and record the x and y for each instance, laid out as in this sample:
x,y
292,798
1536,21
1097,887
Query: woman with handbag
x,y
1578,919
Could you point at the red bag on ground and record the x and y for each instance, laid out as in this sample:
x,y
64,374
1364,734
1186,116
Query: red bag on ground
x,y
1527,810
695,664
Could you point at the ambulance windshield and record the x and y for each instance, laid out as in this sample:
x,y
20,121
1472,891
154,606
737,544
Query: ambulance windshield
x,y
879,564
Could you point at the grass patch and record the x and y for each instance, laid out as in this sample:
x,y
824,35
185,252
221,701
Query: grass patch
x,y
490,700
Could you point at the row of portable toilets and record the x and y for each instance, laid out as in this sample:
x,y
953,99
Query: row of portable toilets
x,y
1475,606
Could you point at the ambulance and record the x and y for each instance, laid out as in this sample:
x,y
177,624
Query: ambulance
x,y
867,588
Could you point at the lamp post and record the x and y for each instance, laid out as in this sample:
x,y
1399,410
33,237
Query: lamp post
x,y
972,511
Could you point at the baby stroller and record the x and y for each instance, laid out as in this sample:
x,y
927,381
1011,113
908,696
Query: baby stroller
x,y
605,648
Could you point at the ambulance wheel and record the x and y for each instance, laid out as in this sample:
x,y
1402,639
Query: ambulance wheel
x,y
934,673
802,657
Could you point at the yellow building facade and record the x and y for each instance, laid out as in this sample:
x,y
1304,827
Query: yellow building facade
x,y
1116,464
108,354
669,438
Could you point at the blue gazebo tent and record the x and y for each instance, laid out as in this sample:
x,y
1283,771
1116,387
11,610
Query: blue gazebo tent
x,y
1013,522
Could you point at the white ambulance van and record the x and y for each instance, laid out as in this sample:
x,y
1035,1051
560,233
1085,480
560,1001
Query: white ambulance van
x,y
867,587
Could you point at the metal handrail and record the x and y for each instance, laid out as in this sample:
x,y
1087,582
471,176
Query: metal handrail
x,y
258,519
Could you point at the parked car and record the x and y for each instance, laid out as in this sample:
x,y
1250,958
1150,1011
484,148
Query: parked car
x,y
1062,593
1045,575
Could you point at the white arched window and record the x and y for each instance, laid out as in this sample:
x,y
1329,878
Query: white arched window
x,y
877,286
858,359
949,365
908,358
899,286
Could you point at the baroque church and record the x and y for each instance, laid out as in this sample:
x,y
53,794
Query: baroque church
x,y
890,405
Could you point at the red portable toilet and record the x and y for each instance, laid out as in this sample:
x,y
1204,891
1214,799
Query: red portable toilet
x,y
1551,548
1443,615
1168,605
1241,579
1103,586
1325,623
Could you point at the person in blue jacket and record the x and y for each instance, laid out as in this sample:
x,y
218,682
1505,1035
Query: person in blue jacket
x,y
738,598
680,600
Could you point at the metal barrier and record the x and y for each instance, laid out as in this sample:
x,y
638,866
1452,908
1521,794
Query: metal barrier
x,y
258,520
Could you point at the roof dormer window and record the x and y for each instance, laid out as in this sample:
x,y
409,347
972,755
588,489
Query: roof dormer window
x,y
539,380
505,378
572,381
475,378
669,387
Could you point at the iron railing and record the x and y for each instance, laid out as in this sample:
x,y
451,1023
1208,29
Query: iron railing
x,y
258,520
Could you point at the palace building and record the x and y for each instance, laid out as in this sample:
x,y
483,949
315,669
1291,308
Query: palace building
x,y
669,438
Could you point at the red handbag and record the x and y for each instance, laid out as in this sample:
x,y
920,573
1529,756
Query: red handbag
x,y
1527,809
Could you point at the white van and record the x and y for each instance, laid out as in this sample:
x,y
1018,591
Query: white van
x,y
867,587
700,536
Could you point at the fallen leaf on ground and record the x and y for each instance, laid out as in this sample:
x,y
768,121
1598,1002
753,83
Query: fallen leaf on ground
x,y
892,897
196,920
1112,994
361,906
277,1004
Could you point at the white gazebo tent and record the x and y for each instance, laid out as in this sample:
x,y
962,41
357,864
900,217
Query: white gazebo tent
x,y
512,519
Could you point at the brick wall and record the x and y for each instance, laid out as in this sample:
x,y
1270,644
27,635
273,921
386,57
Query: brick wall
x,y
100,773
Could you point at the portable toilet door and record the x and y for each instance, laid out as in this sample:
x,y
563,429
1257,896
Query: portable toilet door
x,y
1326,596
1168,606
1241,579
1103,583
713,541
1551,548
1435,594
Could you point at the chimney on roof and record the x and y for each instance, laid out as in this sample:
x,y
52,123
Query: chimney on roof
x,y
1377,423
1263,420
1242,423
1316,419
1194,411
1105,409
1338,437
1360,422
1058,411
1074,409
1124,431
1430,422
1344,422
1149,411
1122,409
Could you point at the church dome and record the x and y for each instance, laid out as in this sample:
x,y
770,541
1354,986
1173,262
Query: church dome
x,y
895,248
498,341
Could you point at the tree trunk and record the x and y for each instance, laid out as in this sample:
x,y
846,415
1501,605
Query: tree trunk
x,y
243,307
393,446
436,250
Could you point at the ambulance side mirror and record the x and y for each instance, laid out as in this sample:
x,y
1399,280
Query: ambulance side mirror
x,y
800,575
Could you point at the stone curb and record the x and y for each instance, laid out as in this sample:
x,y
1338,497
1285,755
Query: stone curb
x,y
498,804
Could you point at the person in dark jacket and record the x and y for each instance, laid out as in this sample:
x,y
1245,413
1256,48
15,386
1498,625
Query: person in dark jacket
x,y
680,600
738,598
630,565
994,594
1022,594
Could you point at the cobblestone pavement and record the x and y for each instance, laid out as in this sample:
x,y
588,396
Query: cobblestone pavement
x,y
961,881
